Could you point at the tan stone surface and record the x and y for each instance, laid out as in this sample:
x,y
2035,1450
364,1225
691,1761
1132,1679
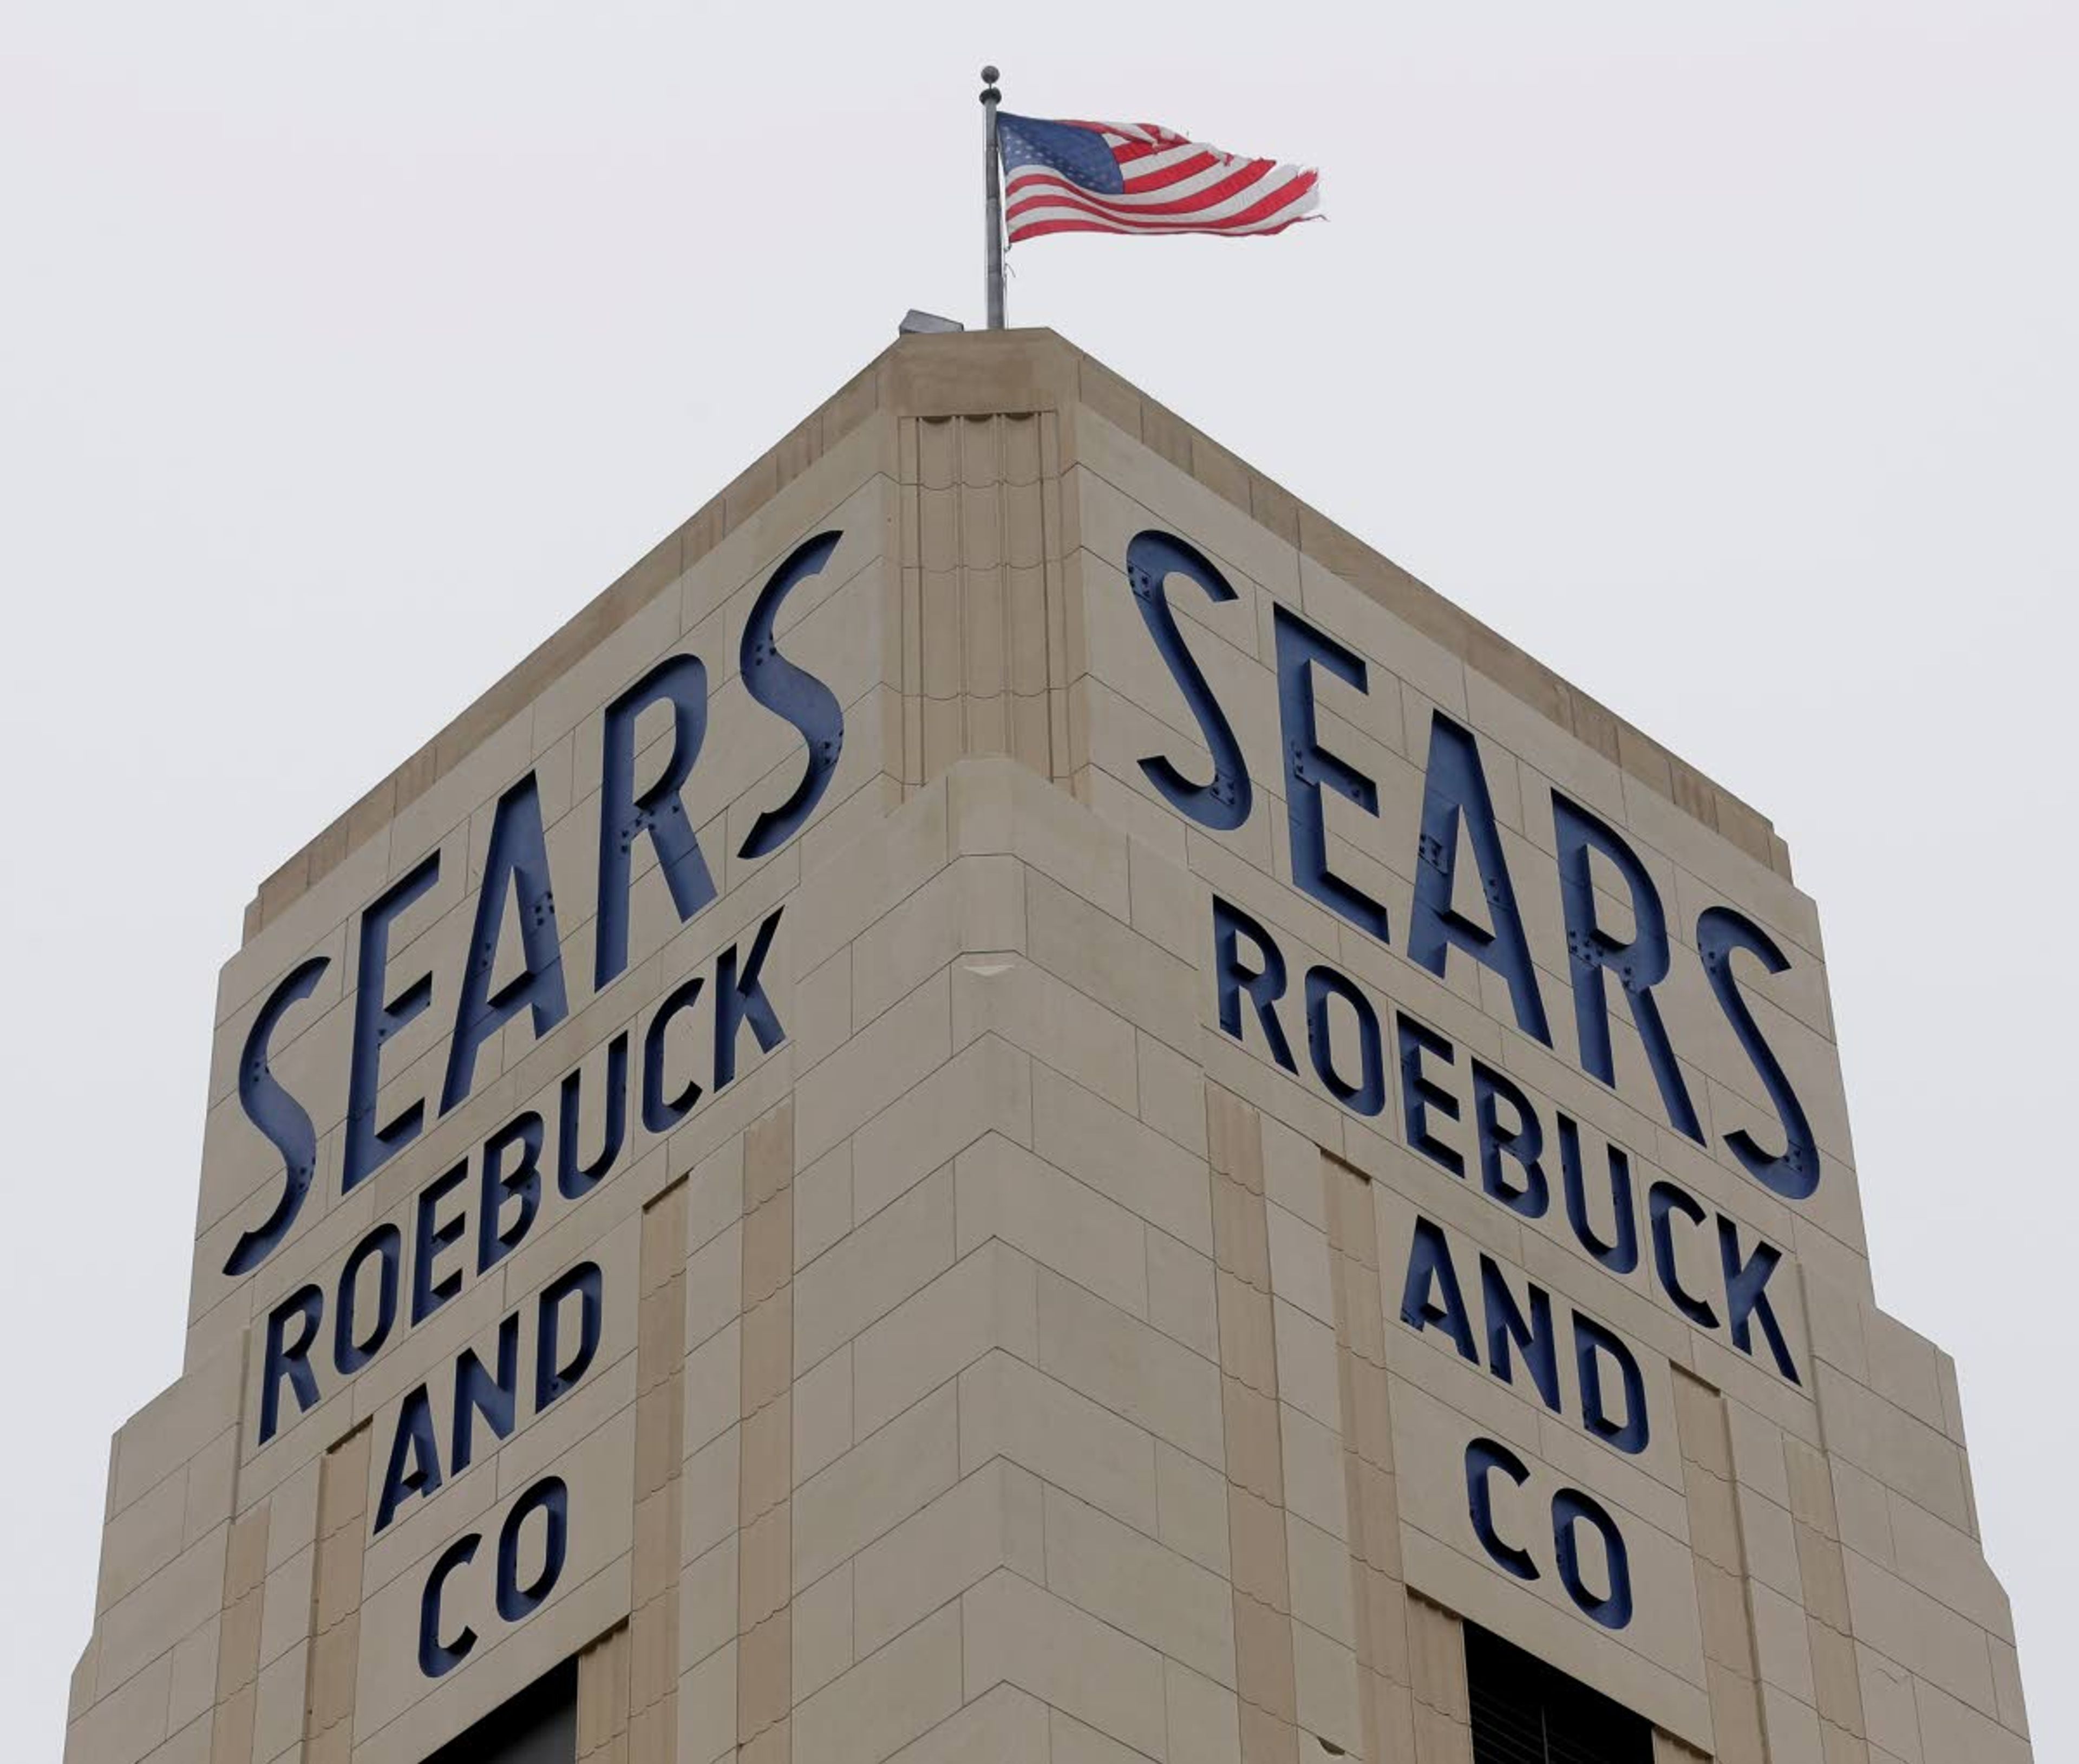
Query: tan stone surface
x,y
1011,1361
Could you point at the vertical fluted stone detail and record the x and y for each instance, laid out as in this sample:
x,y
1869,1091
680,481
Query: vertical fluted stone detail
x,y
1721,1597
238,1646
602,1694
764,1685
660,1359
1264,1672
335,1656
1378,1593
984,636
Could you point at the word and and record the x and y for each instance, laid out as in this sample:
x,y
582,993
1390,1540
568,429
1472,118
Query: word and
x,y
493,1397
1432,1299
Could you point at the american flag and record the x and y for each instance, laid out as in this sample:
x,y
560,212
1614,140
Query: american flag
x,y
1139,177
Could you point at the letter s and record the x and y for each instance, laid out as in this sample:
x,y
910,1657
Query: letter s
x,y
1223,805
1793,1172
283,1120
794,694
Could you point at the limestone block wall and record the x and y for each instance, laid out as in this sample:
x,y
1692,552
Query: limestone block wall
x,y
988,1329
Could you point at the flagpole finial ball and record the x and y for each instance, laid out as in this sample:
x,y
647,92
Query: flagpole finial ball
x,y
990,76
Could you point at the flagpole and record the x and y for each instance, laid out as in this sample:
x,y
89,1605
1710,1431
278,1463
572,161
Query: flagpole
x,y
993,187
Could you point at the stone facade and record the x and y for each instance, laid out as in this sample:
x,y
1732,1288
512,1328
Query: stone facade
x,y
1002,1323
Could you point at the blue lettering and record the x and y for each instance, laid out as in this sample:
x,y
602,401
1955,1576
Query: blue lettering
x,y
1310,766
1519,1143
551,1498
1454,791
437,1656
1746,1296
794,694
1483,1457
1663,1200
1571,1508
478,1392
1619,1254
429,1292
521,1184
1263,983
1640,965
1794,1171
555,1374
741,999
659,812
1430,1269
1592,1343
1223,805
415,1457
284,1122
289,1359
574,1178
376,1020
351,1349
660,1114
1420,1092
1366,1094
518,864
1508,1327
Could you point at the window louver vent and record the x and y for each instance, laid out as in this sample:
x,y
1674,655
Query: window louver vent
x,y
1527,1712
539,1726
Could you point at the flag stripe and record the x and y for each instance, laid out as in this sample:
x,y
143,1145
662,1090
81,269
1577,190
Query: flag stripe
x,y
1039,229
1294,202
1217,206
1221,215
1160,159
1140,179
1033,222
1033,193
1206,189
1188,166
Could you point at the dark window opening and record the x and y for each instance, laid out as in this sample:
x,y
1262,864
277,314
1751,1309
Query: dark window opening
x,y
1527,1712
539,1726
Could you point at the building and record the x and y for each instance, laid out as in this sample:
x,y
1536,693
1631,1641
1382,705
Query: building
x,y
1017,1104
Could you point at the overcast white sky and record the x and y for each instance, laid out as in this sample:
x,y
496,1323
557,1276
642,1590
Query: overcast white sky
x,y
1724,356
